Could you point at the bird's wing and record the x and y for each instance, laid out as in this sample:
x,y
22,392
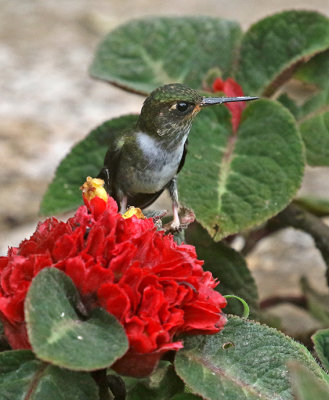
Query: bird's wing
x,y
143,200
182,161
111,163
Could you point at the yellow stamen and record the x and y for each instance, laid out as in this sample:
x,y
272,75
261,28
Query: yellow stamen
x,y
133,211
94,187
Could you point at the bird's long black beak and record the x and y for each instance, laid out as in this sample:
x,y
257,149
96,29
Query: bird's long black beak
x,y
210,101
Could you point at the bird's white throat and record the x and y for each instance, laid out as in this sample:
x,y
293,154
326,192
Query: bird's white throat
x,y
159,163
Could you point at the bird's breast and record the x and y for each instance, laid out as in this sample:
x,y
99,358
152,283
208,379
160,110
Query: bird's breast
x,y
154,166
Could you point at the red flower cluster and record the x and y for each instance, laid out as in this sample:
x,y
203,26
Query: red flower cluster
x,y
156,288
231,89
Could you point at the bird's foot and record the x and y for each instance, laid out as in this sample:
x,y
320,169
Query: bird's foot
x,y
187,217
175,226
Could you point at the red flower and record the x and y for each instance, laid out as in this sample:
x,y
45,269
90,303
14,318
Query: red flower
x,y
156,288
231,89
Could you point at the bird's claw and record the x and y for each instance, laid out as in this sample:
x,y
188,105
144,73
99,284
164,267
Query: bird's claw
x,y
175,226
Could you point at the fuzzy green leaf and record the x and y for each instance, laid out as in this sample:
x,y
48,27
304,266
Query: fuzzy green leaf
x,y
305,385
236,181
274,47
313,115
315,133
186,396
162,384
246,361
85,159
60,336
315,73
22,377
228,266
321,345
146,53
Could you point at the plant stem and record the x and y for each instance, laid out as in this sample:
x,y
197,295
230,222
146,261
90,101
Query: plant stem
x,y
299,301
101,380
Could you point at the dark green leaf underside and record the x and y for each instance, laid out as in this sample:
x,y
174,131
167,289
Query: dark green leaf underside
x,y
22,377
57,333
246,361
321,345
161,385
315,133
306,386
233,182
314,74
228,267
146,53
85,159
313,115
273,46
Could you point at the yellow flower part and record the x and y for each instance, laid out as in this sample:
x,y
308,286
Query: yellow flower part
x,y
94,187
133,211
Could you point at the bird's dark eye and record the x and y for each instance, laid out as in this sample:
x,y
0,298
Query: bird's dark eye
x,y
182,106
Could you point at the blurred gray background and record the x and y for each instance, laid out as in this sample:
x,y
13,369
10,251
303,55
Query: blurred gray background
x,y
48,102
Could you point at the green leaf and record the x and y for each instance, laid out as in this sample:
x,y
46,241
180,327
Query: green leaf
x,y
289,103
85,159
306,386
161,385
315,133
316,205
22,377
146,53
236,181
60,336
274,47
186,396
317,303
245,361
315,73
321,345
228,266
313,115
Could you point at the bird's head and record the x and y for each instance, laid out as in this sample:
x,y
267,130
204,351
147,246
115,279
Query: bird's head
x,y
170,109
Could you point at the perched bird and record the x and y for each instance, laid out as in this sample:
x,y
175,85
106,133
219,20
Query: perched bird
x,y
144,161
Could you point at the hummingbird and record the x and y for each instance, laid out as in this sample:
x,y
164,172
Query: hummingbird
x,y
145,160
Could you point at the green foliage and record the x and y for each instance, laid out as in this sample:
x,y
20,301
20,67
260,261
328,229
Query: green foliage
x,y
321,345
147,53
161,385
186,396
228,267
244,361
306,386
315,133
273,47
22,377
314,73
241,180
313,114
59,335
